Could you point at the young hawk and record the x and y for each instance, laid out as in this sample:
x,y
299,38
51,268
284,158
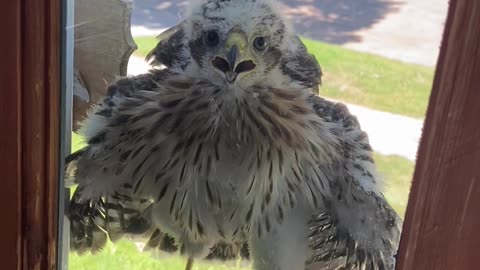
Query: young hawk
x,y
226,151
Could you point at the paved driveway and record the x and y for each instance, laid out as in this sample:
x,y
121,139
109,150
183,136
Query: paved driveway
x,y
412,33
409,30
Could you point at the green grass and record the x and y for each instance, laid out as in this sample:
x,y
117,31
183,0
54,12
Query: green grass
x,y
360,78
396,171
373,81
125,256
145,45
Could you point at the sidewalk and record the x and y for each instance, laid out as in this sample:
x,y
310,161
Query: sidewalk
x,y
412,34
390,134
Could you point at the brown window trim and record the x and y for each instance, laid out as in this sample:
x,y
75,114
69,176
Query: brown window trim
x,y
442,225
29,145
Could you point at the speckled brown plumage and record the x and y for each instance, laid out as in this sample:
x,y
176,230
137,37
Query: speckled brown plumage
x,y
188,161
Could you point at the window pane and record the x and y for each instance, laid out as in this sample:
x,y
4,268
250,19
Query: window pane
x,y
372,60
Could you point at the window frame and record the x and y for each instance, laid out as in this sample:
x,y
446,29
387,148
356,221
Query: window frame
x,y
30,159
442,219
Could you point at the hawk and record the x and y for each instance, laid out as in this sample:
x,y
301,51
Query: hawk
x,y
227,151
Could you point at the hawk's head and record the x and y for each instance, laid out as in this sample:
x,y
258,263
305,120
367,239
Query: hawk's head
x,y
237,44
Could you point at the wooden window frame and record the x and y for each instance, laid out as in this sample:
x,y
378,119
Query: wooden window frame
x,y
30,148
442,224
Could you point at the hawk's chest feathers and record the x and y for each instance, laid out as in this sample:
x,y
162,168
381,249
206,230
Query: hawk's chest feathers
x,y
243,153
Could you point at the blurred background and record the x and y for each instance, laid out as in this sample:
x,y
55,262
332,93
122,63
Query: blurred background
x,y
378,57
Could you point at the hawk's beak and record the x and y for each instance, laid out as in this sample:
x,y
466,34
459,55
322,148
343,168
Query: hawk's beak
x,y
235,60
232,57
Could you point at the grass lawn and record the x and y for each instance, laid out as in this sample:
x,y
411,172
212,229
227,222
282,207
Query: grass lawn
x,y
360,78
125,256
396,171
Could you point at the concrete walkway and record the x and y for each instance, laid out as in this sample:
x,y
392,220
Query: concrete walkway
x,y
389,134
412,33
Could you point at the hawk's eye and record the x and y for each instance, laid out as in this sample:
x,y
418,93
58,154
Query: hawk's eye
x,y
211,38
260,43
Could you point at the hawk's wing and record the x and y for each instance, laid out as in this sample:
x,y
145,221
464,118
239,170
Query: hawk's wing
x,y
92,222
168,51
302,67
358,229
119,215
